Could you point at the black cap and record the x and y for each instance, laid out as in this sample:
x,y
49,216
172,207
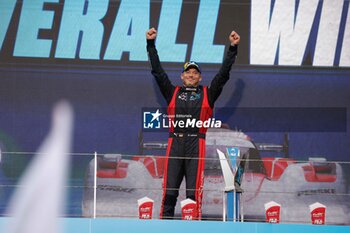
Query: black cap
x,y
191,64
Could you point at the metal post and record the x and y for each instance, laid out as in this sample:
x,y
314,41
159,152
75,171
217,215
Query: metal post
x,y
224,206
241,207
238,207
95,182
234,206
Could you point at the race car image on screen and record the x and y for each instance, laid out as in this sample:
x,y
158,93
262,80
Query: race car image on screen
x,y
122,180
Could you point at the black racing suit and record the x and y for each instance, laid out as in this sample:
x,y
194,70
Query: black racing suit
x,y
186,146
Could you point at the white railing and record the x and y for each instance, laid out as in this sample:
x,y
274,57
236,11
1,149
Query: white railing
x,y
99,186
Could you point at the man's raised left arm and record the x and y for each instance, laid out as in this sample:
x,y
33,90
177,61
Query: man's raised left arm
x,y
224,73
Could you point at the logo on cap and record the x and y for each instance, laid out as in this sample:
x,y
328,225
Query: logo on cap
x,y
191,64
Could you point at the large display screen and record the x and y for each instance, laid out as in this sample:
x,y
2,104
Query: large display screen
x,y
92,53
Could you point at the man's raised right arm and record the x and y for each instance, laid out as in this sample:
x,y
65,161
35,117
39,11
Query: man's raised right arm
x,y
161,77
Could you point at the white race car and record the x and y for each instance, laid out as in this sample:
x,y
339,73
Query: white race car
x,y
122,180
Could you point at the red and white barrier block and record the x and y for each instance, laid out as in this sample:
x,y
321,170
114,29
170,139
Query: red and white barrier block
x,y
189,209
145,208
273,212
318,213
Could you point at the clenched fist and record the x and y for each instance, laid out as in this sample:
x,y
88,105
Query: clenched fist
x,y
234,38
151,34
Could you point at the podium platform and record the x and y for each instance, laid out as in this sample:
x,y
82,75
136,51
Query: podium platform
x,y
109,225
